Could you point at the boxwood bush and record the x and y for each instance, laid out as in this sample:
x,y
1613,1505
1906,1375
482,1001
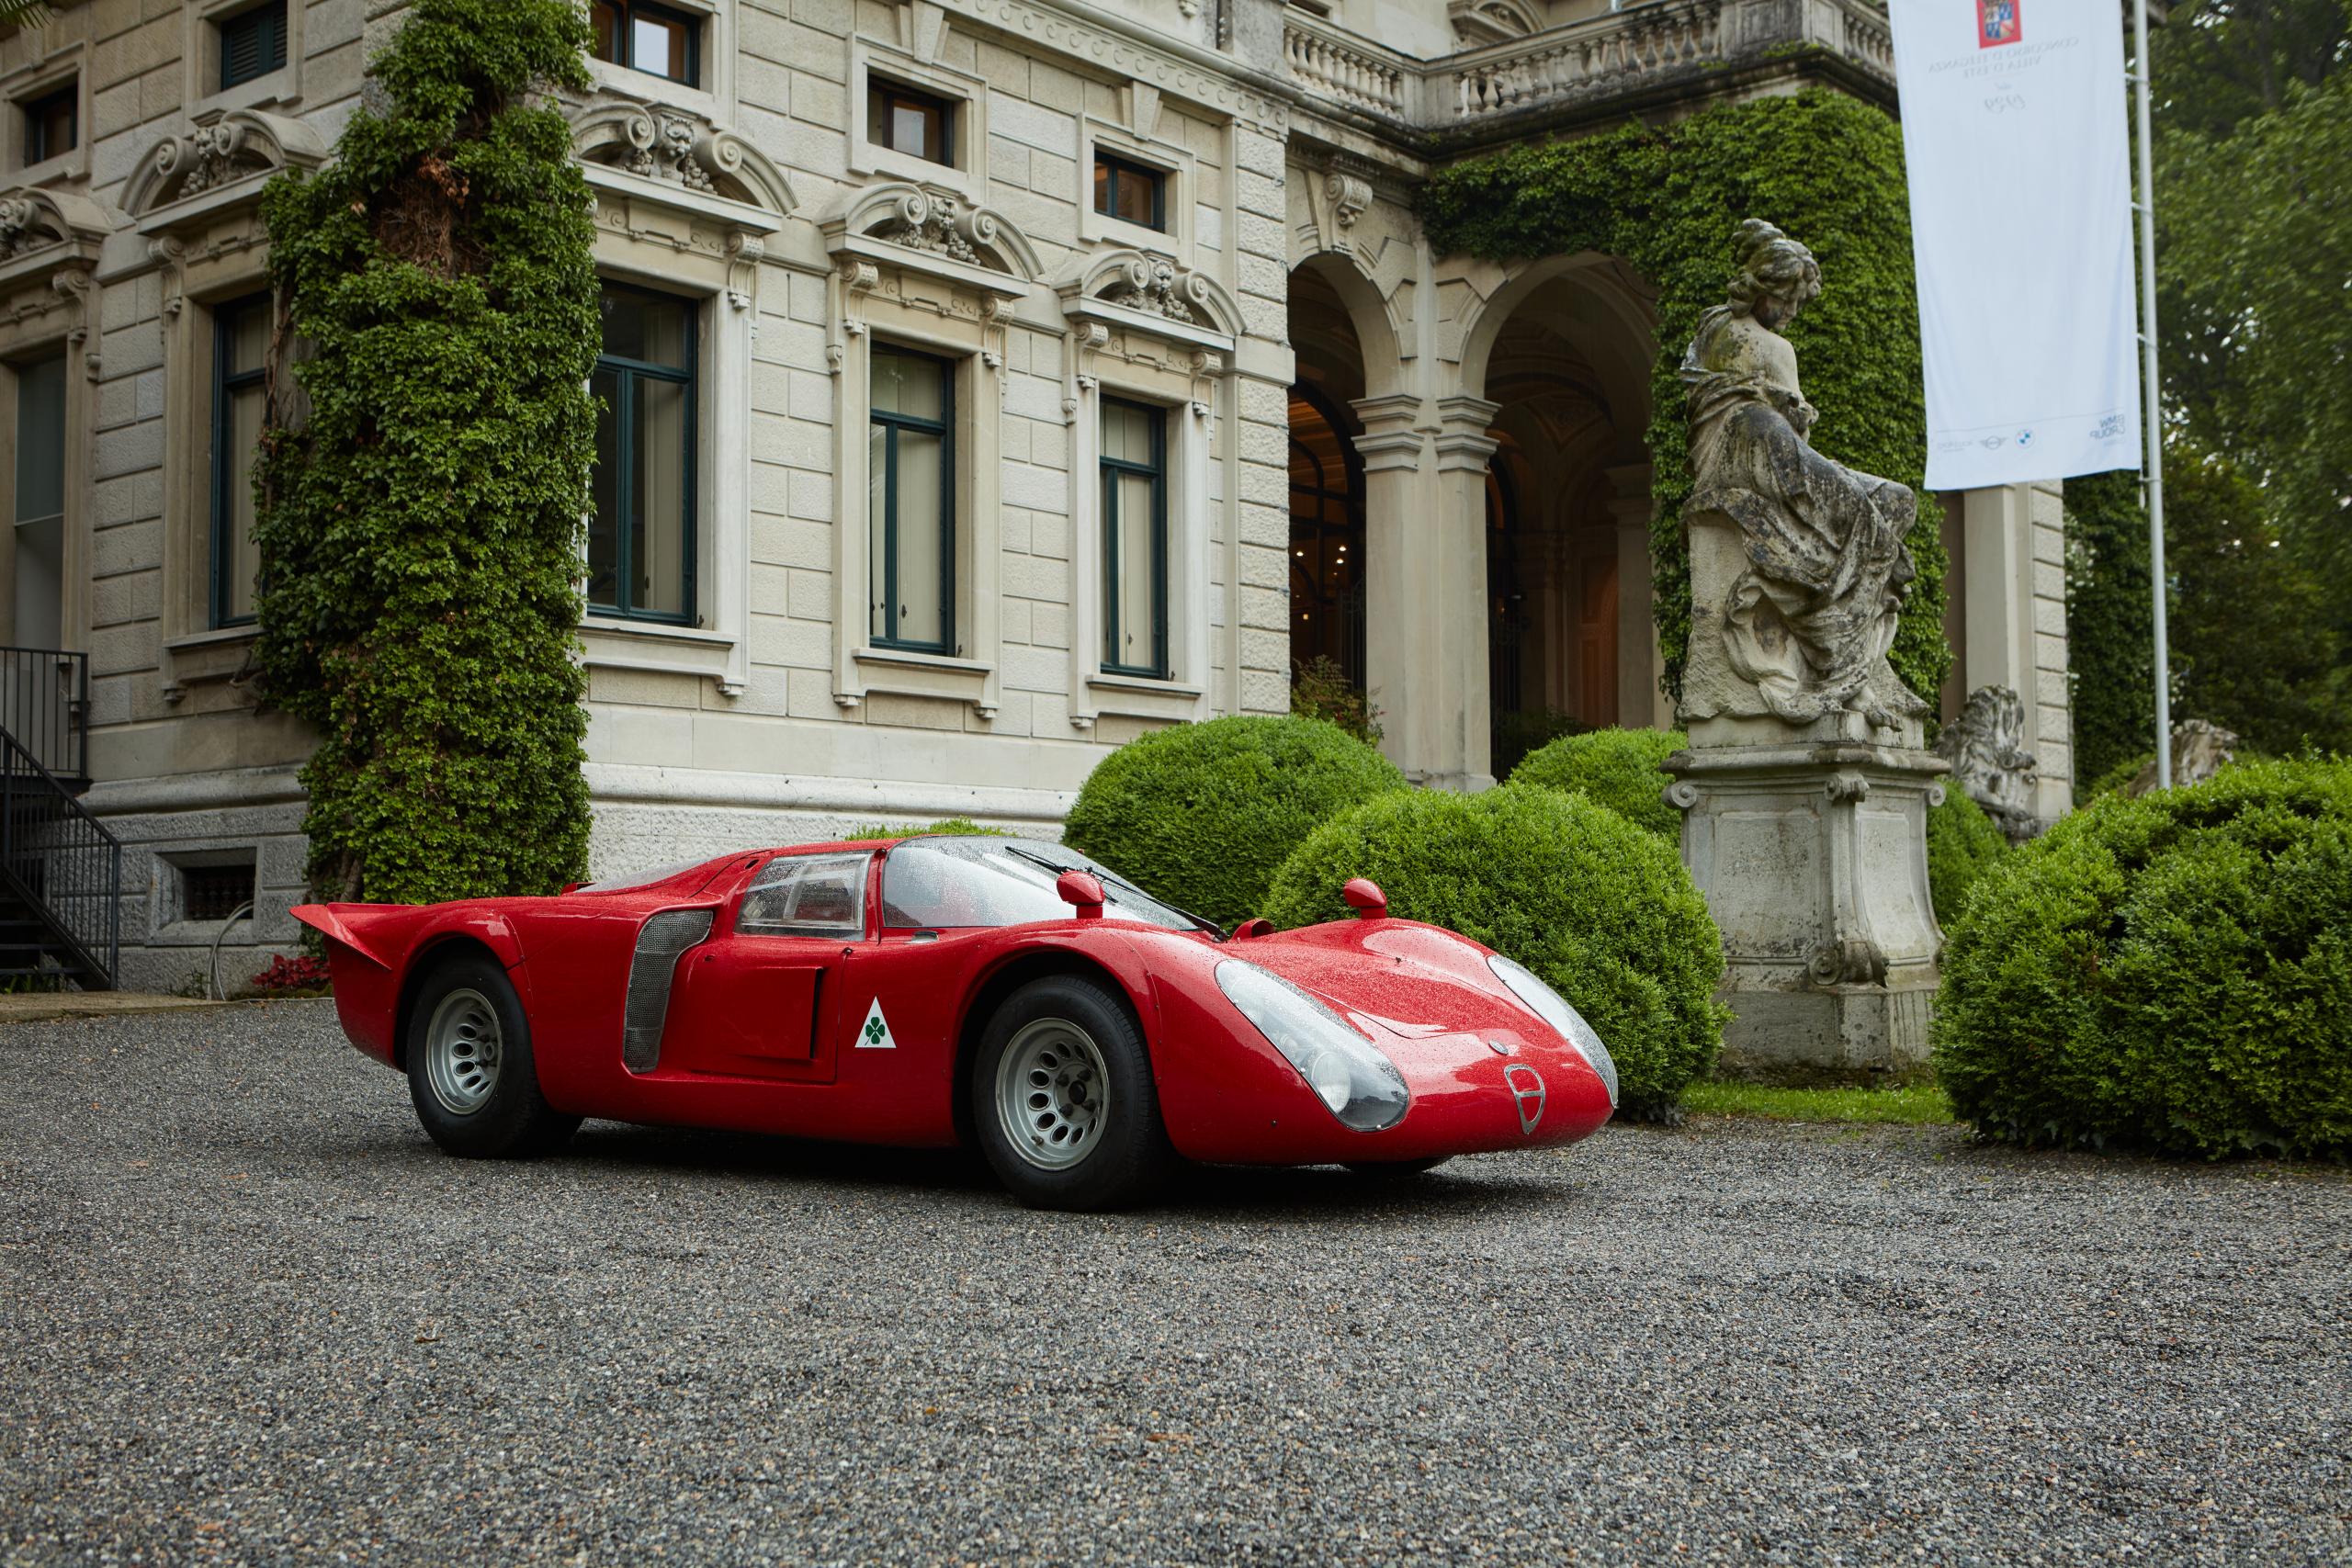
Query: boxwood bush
x,y
1601,909
2171,972
1616,767
1962,841
1202,813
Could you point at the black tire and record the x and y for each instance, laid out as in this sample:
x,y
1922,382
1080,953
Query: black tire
x,y
495,1112
1126,1151
1397,1170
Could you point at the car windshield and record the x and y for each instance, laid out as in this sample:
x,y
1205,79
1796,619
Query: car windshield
x,y
936,882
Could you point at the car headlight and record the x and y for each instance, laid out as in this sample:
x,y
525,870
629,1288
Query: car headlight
x,y
1553,1009
1347,1072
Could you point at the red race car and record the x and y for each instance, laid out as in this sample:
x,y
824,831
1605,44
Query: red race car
x,y
943,991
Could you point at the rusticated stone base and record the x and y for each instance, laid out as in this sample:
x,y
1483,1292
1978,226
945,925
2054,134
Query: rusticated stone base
x,y
1813,856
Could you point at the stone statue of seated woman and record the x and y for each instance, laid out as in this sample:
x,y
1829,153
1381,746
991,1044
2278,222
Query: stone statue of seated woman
x,y
1798,563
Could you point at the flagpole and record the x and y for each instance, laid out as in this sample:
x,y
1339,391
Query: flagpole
x,y
2154,420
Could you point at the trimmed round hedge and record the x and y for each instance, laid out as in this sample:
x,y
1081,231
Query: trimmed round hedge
x,y
1615,767
2172,973
1963,843
1601,909
1202,813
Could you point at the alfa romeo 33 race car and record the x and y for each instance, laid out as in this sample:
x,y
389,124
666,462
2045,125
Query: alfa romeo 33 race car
x,y
947,989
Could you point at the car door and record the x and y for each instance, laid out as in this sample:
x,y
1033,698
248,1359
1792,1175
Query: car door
x,y
763,999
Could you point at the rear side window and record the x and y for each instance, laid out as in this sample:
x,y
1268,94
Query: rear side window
x,y
808,896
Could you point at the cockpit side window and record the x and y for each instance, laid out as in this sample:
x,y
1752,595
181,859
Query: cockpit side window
x,y
822,895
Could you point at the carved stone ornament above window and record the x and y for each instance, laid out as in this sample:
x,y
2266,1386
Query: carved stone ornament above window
x,y
1137,290
1491,21
33,220
923,226
238,149
673,147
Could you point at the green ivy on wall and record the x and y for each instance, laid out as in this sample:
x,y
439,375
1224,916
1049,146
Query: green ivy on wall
x,y
1826,167
420,518
2110,624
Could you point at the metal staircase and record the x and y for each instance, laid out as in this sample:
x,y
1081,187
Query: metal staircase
x,y
61,870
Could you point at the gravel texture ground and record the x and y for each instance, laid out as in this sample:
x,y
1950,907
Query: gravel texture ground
x,y
250,1315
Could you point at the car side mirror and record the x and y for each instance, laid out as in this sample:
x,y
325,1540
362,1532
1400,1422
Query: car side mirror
x,y
1364,895
1082,891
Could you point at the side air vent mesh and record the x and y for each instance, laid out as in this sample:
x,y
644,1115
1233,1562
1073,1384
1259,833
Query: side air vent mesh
x,y
664,937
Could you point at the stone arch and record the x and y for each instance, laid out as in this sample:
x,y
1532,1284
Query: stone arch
x,y
926,218
240,144
1378,337
683,149
1154,284
1614,289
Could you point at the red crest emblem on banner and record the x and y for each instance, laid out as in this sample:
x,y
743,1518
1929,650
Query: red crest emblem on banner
x,y
1997,23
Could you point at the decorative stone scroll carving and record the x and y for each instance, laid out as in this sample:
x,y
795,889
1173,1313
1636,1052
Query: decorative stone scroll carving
x,y
240,144
35,218
930,221
1349,196
672,147
1796,586
1985,746
1154,292
1477,22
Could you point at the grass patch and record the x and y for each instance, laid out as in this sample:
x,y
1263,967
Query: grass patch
x,y
1919,1104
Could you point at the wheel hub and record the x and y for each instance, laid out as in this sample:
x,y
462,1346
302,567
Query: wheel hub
x,y
1052,1094
463,1049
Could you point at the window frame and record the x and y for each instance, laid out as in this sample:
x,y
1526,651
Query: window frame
x,y
880,84
1119,164
626,54
226,26
225,317
944,428
627,373
37,149
861,862
1111,470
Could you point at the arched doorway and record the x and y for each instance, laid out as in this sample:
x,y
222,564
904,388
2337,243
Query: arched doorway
x,y
1326,536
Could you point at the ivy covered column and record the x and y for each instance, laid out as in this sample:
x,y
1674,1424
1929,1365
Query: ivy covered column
x,y
1425,603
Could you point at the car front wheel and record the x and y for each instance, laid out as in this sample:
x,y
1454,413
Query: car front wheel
x,y
471,1072
1062,1099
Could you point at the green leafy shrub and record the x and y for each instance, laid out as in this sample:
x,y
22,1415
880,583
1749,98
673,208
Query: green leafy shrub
x,y
1320,689
916,830
420,526
2171,972
1616,767
1202,813
1963,843
1601,909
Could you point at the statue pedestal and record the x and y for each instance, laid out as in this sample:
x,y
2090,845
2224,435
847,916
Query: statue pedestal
x,y
1811,850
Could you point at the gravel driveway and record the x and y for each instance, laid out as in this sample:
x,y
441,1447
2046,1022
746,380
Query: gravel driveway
x,y
248,1313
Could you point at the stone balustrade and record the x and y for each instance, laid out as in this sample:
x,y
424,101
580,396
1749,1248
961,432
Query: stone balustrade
x,y
1654,41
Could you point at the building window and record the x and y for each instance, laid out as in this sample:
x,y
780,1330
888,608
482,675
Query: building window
x,y
52,123
41,503
253,43
647,38
911,484
240,343
907,121
1135,539
641,538
1130,192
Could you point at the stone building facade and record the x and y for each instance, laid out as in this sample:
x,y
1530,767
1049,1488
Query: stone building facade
x,y
989,381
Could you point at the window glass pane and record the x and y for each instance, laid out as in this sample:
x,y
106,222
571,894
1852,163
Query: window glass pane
x,y
651,327
604,490
1136,191
816,894
920,614
904,384
41,584
1127,431
658,43
1102,185
604,25
241,564
878,533
40,439
49,125
1138,647
248,339
658,510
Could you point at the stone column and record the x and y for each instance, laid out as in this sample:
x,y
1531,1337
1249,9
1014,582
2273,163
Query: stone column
x,y
2014,631
1425,622
1641,667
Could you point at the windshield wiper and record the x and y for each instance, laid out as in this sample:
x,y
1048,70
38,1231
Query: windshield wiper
x,y
1115,880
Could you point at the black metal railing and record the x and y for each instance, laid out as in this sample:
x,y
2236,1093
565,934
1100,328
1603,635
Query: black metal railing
x,y
45,703
61,876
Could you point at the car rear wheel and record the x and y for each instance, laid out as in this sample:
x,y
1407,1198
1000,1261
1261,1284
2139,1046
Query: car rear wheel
x,y
1397,1170
471,1072
1062,1099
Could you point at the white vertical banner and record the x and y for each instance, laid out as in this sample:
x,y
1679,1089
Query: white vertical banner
x,y
2018,158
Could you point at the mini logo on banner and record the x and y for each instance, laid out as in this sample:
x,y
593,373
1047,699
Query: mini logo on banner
x,y
1997,22
873,1034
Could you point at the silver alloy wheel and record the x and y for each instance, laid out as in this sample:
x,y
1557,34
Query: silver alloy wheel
x,y
1052,1093
462,1052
